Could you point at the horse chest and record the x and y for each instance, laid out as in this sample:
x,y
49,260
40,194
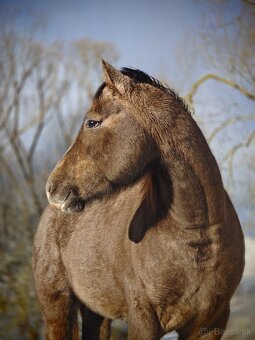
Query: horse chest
x,y
96,283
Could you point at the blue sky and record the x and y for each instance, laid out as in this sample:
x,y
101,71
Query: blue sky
x,y
148,34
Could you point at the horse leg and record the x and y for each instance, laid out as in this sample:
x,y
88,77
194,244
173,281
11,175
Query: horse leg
x,y
94,326
59,305
143,323
60,316
215,331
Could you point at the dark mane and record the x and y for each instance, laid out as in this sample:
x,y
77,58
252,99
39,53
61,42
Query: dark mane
x,y
139,77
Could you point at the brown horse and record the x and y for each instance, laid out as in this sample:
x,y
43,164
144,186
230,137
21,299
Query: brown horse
x,y
146,232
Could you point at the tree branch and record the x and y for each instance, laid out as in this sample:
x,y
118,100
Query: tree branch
x,y
66,137
17,152
230,155
5,166
228,122
28,126
25,169
228,82
18,87
249,2
40,125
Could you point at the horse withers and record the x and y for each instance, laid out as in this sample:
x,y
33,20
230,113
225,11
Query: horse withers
x,y
139,226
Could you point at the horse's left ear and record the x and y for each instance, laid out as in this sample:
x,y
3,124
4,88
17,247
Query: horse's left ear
x,y
115,79
153,208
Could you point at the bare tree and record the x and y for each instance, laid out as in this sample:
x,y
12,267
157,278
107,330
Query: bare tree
x,y
229,49
82,61
44,91
24,64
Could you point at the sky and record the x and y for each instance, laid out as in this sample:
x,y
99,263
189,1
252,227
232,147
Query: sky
x,y
148,34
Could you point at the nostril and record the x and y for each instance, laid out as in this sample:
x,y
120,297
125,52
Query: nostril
x,y
49,187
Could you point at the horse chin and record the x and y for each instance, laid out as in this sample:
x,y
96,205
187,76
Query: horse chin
x,y
74,205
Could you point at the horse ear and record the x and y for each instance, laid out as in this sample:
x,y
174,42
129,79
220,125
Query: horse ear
x,y
153,208
114,78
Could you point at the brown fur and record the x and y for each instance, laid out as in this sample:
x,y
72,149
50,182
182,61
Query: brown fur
x,y
156,241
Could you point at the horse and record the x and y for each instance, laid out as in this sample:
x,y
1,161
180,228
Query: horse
x,y
139,226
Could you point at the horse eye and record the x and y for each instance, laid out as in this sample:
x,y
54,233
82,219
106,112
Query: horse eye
x,y
93,123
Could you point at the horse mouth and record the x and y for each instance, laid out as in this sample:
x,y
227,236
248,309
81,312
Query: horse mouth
x,y
72,203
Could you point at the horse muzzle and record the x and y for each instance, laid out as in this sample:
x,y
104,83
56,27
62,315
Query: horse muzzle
x,y
67,199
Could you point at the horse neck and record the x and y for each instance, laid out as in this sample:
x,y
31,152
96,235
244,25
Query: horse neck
x,y
196,180
198,192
